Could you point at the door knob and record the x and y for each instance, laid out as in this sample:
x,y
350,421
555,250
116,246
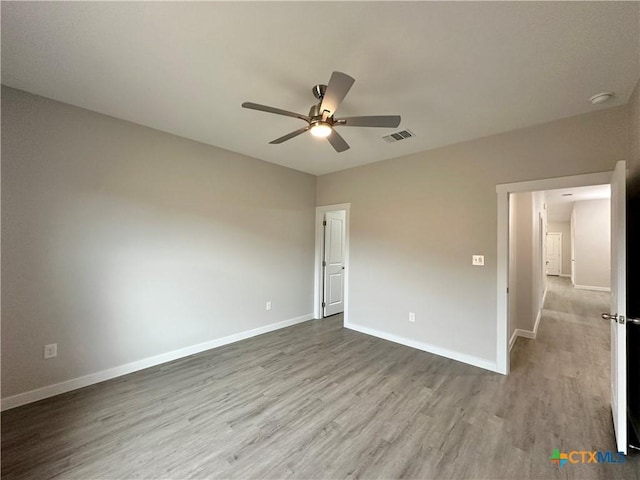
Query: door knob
x,y
615,317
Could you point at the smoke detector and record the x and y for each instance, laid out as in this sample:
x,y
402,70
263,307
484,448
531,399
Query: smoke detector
x,y
601,97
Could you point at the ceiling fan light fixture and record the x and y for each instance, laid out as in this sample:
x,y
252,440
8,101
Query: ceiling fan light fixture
x,y
321,129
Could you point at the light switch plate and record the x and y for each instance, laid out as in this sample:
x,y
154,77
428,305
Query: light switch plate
x,y
477,260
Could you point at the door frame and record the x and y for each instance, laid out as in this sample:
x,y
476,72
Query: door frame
x,y
559,235
502,301
318,273
572,249
543,221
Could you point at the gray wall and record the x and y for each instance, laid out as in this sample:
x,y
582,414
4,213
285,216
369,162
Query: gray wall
x,y
526,280
513,264
521,268
538,269
565,229
592,243
121,242
417,220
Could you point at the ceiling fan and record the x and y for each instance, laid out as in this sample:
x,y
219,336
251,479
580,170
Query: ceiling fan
x,y
321,121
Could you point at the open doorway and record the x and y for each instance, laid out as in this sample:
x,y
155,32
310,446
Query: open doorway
x,y
506,194
331,292
559,240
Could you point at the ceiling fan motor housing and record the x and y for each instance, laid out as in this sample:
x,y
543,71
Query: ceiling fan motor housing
x,y
314,111
317,115
318,91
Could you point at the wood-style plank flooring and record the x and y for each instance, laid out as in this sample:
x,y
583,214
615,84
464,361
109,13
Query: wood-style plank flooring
x,y
318,401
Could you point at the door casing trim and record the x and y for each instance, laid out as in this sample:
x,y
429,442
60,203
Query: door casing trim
x,y
502,302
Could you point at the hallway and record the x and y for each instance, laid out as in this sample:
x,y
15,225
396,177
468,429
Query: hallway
x,y
572,328
572,350
583,306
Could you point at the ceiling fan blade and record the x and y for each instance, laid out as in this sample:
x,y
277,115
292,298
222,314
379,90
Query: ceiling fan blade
x,y
289,136
337,142
388,121
338,87
277,111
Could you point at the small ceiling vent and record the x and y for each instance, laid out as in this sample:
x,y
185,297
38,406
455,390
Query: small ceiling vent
x,y
396,137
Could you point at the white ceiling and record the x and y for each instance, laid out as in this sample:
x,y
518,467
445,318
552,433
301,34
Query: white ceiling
x,y
560,202
454,70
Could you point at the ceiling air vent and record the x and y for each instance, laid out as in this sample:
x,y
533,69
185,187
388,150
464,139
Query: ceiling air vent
x,y
396,137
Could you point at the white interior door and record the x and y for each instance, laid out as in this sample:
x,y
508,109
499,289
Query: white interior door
x,y
333,264
554,253
618,314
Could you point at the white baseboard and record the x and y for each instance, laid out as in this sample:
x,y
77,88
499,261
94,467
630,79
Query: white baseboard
x,y
589,287
443,352
535,326
519,332
97,377
512,340
539,316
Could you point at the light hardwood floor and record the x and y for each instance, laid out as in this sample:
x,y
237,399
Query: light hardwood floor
x,y
318,401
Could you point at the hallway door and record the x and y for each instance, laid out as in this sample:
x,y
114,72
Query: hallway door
x,y
333,262
554,253
618,309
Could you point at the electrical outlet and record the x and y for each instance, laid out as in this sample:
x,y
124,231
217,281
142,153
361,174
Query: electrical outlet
x,y
477,260
268,306
51,350
412,317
